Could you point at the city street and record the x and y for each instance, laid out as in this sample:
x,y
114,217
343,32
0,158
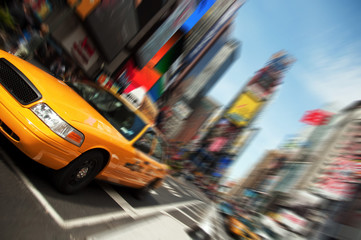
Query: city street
x,y
180,119
35,210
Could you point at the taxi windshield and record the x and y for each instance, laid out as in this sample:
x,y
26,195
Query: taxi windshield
x,y
111,108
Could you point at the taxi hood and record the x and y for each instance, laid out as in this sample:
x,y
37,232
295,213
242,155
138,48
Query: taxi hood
x,y
59,96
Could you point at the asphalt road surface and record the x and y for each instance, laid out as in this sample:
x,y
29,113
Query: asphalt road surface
x,y
32,209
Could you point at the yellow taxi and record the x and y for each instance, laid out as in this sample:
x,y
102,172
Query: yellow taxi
x,y
241,228
78,129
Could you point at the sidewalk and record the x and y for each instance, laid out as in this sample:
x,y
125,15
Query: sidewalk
x,y
161,227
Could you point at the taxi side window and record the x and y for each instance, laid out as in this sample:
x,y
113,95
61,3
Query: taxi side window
x,y
158,150
144,143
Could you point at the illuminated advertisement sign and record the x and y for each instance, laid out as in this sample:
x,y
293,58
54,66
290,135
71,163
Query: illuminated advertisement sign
x,y
79,46
211,33
179,66
201,9
218,144
222,166
241,140
316,117
167,47
243,110
204,25
293,221
223,133
157,90
83,7
41,8
146,78
163,65
280,61
164,32
135,78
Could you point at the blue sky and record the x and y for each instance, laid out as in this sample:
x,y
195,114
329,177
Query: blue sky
x,y
324,37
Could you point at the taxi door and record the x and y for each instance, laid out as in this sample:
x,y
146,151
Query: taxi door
x,y
143,160
157,169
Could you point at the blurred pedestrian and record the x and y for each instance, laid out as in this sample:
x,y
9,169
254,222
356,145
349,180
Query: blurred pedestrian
x,y
27,50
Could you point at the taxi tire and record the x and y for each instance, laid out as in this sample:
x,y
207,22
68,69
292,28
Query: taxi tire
x,y
64,178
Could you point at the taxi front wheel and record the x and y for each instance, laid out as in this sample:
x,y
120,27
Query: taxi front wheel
x,y
79,173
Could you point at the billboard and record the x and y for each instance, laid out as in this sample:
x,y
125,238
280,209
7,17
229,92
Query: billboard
x,y
241,141
280,61
41,8
243,109
165,49
163,65
293,221
134,78
217,144
121,23
201,9
198,46
164,32
316,117
80,47
183,66
222,166
157,90
205,24
222,133
84,7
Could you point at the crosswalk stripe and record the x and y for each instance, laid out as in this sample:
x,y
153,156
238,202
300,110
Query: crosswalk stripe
x,y
179,188
153,192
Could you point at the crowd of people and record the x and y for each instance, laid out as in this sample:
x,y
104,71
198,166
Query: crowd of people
x,y
24,34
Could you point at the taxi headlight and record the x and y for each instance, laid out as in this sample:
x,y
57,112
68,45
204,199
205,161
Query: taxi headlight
x,y
57,124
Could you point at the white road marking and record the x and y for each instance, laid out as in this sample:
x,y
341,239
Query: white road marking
x,y
193,211
171,190
96,219
46,205
185,214
199,208
185,226
119,200
189,190
179,188
93,220
194,194
145,211
153,192
201,211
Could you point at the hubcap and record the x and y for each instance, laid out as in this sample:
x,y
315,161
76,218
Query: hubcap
x,y
82,172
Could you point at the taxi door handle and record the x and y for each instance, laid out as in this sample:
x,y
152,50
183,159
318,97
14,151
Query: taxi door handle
x,y
146,163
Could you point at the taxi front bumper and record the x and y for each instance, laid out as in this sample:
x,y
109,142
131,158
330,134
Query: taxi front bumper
x,y
28,137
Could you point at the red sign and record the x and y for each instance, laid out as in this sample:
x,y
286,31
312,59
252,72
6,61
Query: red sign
x,y
218,144
316,117
146,77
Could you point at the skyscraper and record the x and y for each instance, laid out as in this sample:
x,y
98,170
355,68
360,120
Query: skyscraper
x,y
238,116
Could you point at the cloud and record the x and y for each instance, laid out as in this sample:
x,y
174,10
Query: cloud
x,y
334,74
